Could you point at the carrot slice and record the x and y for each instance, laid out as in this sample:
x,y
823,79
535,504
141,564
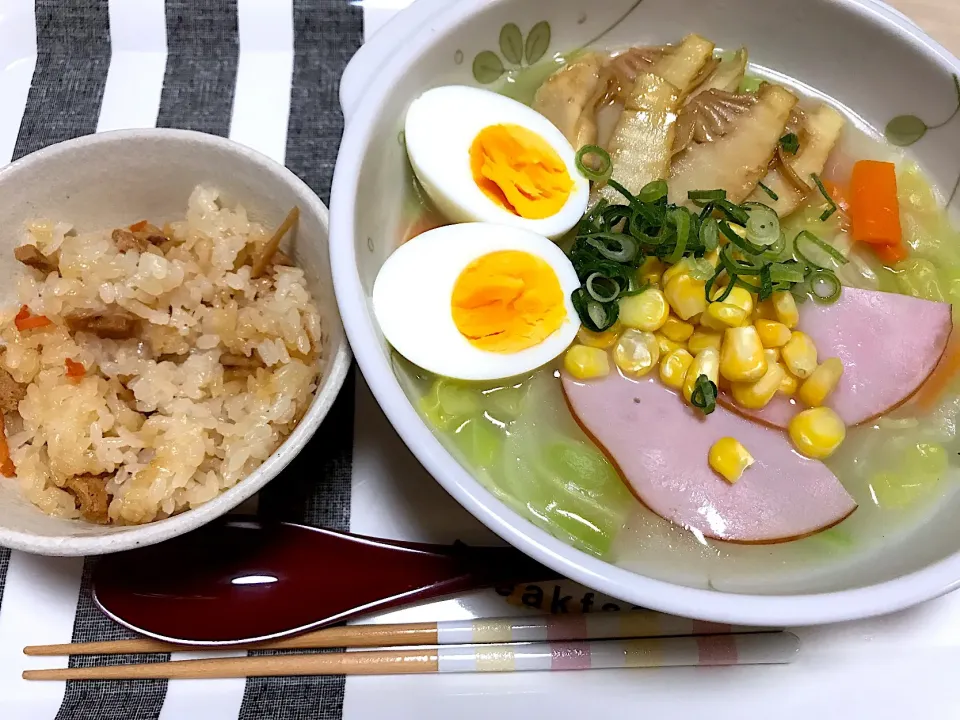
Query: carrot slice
x,y
7,468
25,321
75,370
874,207
891,254
137,226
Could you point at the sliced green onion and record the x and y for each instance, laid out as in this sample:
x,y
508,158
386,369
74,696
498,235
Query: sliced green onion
x,y
745,245
734,213
601,288
708,288
818,243
775,251
747,285
653,191
624,247
768,191
623,191
704,395
681,219
763,227
700,269
606,164
595,316
707,195
639,289
790,143
824,287
823,191
734,268
766,284
709,234
788,272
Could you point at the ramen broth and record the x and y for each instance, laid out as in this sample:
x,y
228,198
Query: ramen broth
x,y
901,469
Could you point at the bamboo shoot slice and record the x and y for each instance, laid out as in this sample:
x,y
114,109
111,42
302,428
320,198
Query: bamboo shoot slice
x,y
681,67
823,128
728,75
564,99
643,138
738,161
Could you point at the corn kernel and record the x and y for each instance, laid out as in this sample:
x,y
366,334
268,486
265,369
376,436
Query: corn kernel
x,y
667,345
739,297
584,362
817,432
789,384
677,330
686,296
757,395
821,382
786,309
647,311
709,322
680,268
674,366
713,257
729,459
773,334
741,355
706,362
651,271
764,311
722,315
602,340
702,339
800,355
637,352
772,355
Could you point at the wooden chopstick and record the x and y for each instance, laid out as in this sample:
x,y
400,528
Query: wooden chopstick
x,y
746,649
353,636
636,624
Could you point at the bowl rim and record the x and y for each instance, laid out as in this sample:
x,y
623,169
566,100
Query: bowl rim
x,y
899,593
335,370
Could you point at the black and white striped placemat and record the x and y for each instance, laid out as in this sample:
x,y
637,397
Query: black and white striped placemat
x,y
263,72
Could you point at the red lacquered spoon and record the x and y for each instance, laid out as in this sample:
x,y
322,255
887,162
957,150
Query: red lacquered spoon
x,y
242,580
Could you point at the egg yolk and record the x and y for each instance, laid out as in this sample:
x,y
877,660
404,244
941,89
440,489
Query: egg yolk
x,y
520,171
508,301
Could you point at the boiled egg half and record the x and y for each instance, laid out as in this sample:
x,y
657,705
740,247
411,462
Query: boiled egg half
x,y
477,301
483,157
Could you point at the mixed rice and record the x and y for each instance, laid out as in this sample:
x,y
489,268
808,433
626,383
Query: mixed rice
x,y
147,369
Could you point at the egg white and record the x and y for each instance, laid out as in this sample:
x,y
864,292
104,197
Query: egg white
x,y
413,291
440,127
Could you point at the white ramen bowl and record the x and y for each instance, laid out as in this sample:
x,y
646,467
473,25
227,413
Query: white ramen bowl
x,y
864,54
117,178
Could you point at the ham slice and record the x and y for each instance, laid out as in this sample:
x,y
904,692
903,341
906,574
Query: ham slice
x,y
660,445
889,344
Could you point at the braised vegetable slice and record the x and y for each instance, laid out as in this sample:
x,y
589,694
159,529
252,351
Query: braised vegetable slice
x,y
822,130
682,66
727,76
641,144
566,99
738,161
